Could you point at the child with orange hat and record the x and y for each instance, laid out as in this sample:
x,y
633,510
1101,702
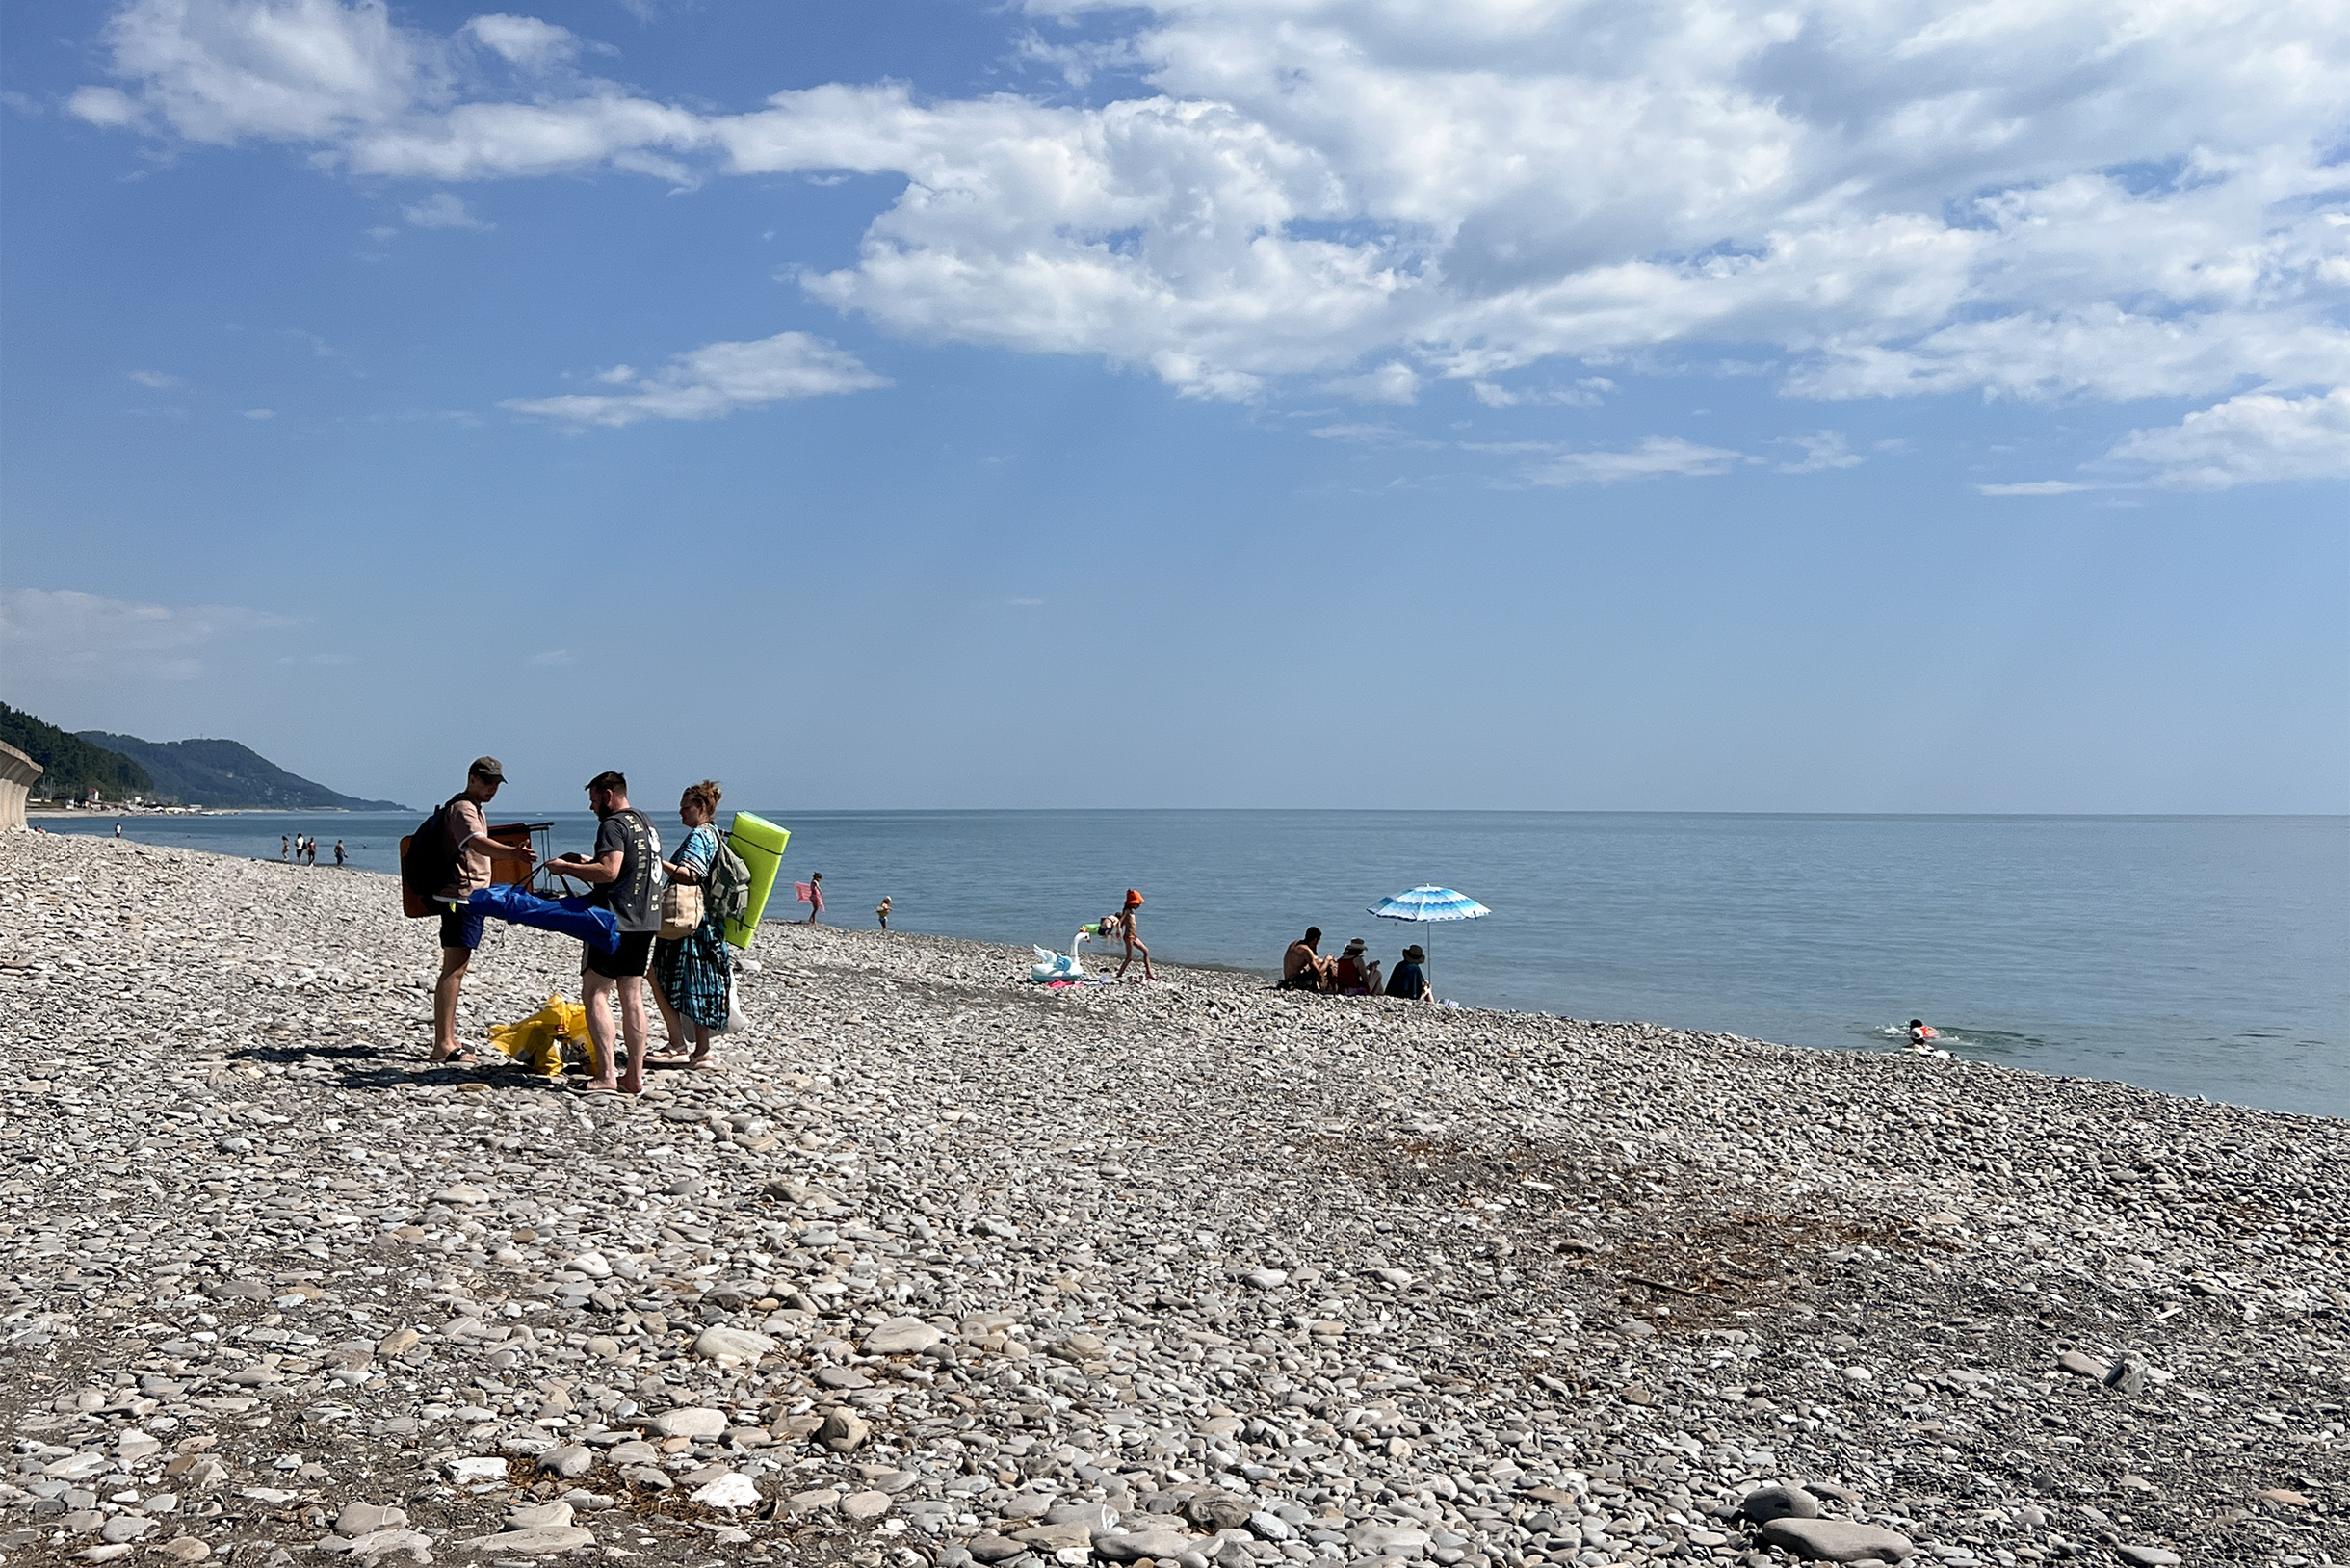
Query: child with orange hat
x,y
1126,929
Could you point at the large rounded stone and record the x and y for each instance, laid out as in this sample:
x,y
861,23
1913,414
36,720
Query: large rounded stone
x,y
1765,1503
901,1336
544,1541
1837,1540
732,1345
690,1421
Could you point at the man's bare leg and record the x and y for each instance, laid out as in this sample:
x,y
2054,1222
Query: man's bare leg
x,y
595,992
631,1026
445,991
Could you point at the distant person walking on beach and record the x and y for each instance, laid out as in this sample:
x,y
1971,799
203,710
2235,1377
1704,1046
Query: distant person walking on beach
x,y
470,848
285,848
627,855
1133,943
881,912
118,829
338,852
1410,980
812,893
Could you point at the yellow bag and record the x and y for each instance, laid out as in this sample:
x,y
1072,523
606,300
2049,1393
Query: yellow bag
x,y
538,1039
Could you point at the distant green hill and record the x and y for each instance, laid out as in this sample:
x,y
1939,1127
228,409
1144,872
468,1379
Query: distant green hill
x,y
73,765
225,773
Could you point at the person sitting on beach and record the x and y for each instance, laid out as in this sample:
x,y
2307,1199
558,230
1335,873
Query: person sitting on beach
x,y
1351,975
1126,934
1922,1034
1303,968
1410,980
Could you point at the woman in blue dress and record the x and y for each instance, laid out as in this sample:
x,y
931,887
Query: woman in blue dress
x,y
693,971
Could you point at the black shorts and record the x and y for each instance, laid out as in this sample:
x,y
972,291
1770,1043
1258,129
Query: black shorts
x,y
622,962
460,928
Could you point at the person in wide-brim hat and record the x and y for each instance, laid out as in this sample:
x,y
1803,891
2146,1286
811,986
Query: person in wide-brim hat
x,y
1410,980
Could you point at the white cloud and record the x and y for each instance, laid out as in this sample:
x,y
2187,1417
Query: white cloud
x,y
261,413
2257,438
552,658
154,379
1586,393
104,106
2109,200
1658,456
1821,453
308,70
2036,487
713,382
523,40
63,634
1391,382
441,210
1371,435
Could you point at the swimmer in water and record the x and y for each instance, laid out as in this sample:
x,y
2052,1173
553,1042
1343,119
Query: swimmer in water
x,y
1922,1035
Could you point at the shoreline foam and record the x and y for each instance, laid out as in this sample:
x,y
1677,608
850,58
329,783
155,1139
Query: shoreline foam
x,y
1499,1289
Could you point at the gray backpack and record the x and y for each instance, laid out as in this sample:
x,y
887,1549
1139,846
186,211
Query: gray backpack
x,y
726,886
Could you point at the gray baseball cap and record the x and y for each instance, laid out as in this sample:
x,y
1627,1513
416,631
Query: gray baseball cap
x,y
489,768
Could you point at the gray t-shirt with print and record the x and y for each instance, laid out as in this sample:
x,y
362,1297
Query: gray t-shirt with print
x,y
633,895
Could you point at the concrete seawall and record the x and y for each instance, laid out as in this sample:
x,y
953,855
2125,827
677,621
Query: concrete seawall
x,y
17,771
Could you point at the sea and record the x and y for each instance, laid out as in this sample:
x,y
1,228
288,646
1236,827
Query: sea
x,y
2200,956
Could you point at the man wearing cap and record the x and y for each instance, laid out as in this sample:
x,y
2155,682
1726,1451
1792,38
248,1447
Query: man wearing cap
x,y
461,929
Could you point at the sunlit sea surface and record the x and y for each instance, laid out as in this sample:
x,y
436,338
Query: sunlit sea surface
x,y
2202,956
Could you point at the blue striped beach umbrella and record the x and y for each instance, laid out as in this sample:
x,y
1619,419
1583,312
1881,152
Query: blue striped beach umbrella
x,y
1426,905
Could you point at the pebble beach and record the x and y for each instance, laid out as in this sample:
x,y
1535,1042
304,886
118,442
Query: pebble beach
x,y
943,1269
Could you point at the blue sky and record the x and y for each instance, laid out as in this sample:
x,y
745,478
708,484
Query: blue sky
x,y
1835,407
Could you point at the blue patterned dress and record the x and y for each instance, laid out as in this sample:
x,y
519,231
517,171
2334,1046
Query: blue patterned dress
x,y
693,971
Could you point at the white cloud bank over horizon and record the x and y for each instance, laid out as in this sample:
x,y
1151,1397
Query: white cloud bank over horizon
x,y
2112,201
60,634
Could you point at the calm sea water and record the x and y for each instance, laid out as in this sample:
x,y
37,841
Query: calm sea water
x,y
2203,955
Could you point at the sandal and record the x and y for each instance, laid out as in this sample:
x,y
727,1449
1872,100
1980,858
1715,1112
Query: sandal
x,y
595,1088
462,1057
